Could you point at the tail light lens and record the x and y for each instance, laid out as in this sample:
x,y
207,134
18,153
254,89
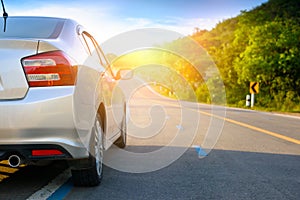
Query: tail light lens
x,y
46,152
49,69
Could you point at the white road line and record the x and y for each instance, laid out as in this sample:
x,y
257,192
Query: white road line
x,y
49,189
286,115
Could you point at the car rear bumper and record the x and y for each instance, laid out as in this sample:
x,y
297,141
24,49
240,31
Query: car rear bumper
x,y
44,117
26,152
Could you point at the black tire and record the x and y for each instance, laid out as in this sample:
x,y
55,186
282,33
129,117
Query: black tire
x,y
92,174
122,140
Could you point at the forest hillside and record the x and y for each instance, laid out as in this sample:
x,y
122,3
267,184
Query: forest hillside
x,y
261,45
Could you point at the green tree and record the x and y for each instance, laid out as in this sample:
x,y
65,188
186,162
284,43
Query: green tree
x,y
271,58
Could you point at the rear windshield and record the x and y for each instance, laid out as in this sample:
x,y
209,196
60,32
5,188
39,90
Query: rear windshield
x,y
31,27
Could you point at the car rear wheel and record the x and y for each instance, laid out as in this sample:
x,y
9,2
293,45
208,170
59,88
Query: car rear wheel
x,y
92,174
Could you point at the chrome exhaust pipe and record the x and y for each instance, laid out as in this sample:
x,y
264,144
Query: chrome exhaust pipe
x,y
14,161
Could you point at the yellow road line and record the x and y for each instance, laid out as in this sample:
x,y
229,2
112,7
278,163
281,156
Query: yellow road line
x,y
277,135
2,177
5,162
7,170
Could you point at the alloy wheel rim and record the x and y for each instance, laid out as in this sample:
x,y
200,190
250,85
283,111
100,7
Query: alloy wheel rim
x,y
98,148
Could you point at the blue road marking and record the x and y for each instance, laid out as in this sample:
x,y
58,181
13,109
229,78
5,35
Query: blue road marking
x,y
200,151
63,191
179,127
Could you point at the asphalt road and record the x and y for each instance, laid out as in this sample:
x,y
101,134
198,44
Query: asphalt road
x,y
244,154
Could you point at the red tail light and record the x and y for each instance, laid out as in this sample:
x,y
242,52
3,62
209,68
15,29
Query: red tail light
x,y
49,69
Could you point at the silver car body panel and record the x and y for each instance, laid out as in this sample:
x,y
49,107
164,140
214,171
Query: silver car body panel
x,y
13,82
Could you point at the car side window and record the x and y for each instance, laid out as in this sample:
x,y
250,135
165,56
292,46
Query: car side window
x,y
88,43
93,48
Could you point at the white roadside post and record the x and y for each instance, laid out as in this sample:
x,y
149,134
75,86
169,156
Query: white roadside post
x,y
254,89
252,100
248,99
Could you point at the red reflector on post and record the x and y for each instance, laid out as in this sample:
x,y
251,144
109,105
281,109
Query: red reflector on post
x,y
46,152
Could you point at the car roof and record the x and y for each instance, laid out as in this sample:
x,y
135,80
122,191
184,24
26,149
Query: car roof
x,y
32,27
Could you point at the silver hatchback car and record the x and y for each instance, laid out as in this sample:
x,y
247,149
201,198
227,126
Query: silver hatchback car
x,y
58,97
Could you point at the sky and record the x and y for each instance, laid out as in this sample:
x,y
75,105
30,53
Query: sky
x,y
107,18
